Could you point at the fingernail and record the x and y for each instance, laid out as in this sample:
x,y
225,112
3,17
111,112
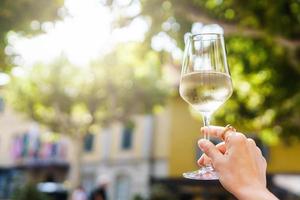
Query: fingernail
x,y
202,144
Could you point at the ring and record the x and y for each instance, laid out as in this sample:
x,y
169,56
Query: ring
x,y
227,128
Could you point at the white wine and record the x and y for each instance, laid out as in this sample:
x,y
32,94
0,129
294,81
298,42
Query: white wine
x,y
206,91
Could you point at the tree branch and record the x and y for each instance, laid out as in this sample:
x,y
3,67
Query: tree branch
x,y
197,15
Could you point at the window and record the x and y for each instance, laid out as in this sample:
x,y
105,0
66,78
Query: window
x,y
25,145
88,142
2,105
127,135
122,188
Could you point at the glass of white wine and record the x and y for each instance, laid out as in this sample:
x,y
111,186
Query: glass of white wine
x,y
205,83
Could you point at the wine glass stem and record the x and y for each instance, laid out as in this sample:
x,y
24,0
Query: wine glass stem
x,y
206,120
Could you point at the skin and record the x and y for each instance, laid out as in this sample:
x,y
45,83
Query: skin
x,y
239,163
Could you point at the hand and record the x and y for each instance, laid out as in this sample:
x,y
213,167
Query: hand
x,y
239,163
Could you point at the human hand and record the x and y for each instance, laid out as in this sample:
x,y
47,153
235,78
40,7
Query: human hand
x,y
238,161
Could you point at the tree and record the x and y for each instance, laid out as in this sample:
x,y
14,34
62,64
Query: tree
x,y
17,16
28,192
263,43
73,100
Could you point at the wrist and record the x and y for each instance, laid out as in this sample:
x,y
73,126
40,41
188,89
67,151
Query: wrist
x,y
254,194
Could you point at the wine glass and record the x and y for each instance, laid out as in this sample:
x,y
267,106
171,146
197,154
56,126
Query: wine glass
x,y
205,83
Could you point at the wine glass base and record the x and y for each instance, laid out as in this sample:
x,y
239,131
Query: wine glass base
x,y
204,173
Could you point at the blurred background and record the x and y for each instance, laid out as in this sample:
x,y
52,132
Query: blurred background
x,y
89,96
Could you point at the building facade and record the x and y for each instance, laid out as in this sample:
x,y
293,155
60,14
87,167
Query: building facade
x,y
28,153
127,156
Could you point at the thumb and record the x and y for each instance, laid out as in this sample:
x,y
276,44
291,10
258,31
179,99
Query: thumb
x,y
210,150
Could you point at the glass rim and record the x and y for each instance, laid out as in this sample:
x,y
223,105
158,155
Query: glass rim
x,y
195,36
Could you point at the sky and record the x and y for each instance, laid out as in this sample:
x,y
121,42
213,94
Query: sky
x,y
82,35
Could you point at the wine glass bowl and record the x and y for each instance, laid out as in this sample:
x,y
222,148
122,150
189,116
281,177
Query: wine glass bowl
x,y
205,91
205,82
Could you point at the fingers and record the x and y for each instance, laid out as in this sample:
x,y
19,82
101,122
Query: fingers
x,y
251,142
257,155
210,150
256,150
236,140
204,159
221,147
214,131
231,137
217,131
253,146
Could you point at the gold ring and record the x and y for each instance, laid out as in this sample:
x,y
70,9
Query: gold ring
x,y
227,128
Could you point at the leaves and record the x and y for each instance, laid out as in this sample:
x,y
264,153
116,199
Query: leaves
x,y
262,39
71,99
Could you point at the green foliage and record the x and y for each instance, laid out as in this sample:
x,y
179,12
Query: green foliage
x,y
253,14
18,14
257,14
263,78
71,99
134,81
161,192
47,94
138,197
28,192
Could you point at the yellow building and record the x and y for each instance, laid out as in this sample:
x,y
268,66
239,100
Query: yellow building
x,y
11,124
25,155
